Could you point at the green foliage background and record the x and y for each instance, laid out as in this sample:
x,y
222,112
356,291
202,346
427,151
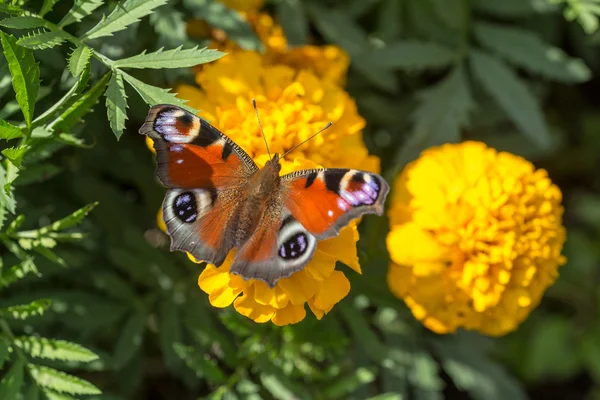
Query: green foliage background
x,y
103,311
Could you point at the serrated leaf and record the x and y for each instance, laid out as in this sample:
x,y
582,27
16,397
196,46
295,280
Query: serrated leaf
x,y
79,59
122,16
15,154
11,383
61,382
198,363
9,131
229,20
4,351
37,307
524,49
412,55
170,26
25,74
16,272
75,113
73,140
7,199
153,95
472,372
42,40
80,10
292,17
67,100
130,340
47,7
49,254
503,85
23,22
52,349
175,58
71,220
116,104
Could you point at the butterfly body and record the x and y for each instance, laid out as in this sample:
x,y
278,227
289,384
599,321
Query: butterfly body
x,y
218,199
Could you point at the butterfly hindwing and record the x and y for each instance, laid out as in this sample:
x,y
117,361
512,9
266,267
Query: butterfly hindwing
x,y
325,200
205,172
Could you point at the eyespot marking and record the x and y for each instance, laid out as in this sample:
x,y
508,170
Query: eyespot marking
x,y
186,207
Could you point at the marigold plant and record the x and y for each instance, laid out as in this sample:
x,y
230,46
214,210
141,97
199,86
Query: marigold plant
x,y
476,238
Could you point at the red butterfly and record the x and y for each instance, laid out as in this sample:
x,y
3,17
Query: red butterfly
x,y
218,199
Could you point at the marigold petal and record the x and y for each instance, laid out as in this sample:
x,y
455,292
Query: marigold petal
x,y
317,311
215,282
409,244
274,297
299,287
343,246
246,306
332,290
291,314
160,221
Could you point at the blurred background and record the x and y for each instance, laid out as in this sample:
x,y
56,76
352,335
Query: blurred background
x,y
518,75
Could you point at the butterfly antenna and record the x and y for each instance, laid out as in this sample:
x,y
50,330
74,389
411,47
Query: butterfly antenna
x,y
300,144
261,128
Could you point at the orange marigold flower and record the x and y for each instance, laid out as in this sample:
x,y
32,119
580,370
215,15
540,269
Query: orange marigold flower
x,y
293,105
319,284
476,238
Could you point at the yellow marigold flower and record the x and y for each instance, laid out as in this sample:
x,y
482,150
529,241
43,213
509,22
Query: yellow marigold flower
x,y
319,285
293,105
476,238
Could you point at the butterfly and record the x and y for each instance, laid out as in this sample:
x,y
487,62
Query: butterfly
x,y
218,199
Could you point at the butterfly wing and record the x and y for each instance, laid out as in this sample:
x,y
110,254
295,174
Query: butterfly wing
x,y
205,173
326,200
315,205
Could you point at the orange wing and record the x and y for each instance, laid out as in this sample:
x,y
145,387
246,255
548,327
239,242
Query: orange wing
x,y
205,172
325,200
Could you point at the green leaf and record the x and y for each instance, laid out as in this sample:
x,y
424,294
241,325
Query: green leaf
x,y
219,16
37,307
23,22
10,386
42,39
130,340
71,220
153,95
5,350
412,55
17,272
506,8
175,58
201,365
7,199
47,7
464,361
342,387
75,113
15,154
524,49
291,16
52,349
170,26
79,60
586,12
56,380
512,95
169,332
73,140
340,29
116,104
25,74
122,16
49,254
67,100
80,10
9,131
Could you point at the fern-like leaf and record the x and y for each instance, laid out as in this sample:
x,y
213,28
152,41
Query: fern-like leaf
x,y
9,131
47,6
175,58
17,272
23,22
84,104
61,382
122,16
80,10
37,307
412,54
11,382
52,349
42,40
505,87
522,48
153,95
25,74
79,59
116,104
